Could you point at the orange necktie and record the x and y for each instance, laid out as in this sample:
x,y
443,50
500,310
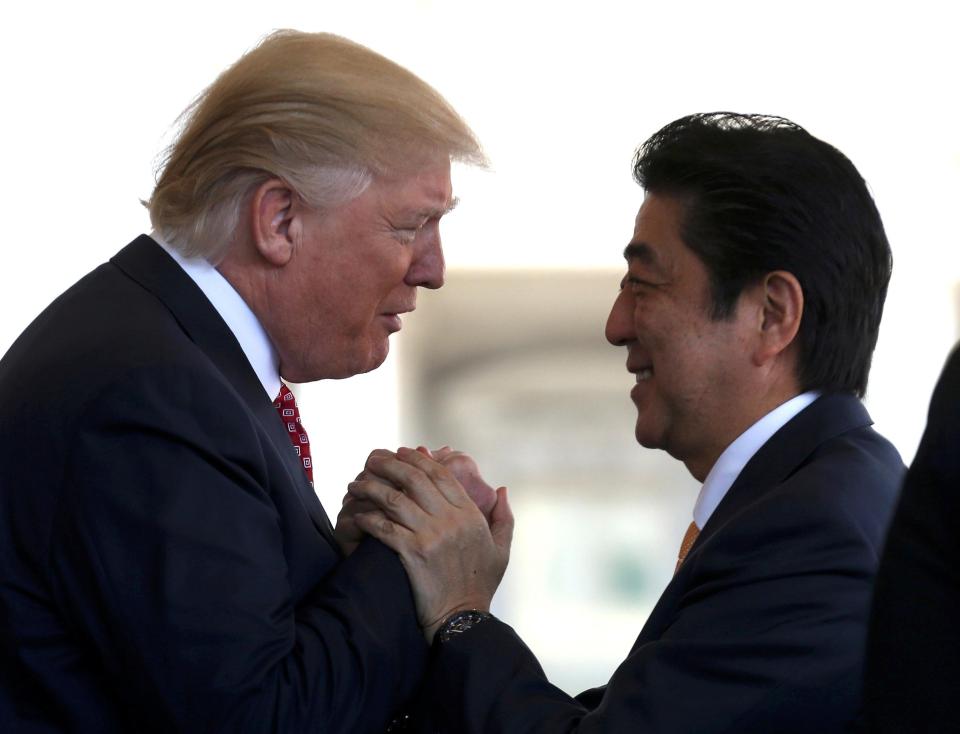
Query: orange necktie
x,y
689,538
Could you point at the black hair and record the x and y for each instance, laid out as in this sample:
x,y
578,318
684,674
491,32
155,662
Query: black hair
x,y
760,194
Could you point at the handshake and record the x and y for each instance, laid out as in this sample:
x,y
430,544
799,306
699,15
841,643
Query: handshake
x,y
450,528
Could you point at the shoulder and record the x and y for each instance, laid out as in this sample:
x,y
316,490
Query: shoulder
x,y
829,514
848,486
858,471
102,323
936,454
842,473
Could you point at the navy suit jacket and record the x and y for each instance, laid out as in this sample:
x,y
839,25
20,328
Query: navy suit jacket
x,y
164,563
762,629
913,654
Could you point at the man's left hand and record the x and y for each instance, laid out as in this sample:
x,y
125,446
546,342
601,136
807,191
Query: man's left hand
x,y
454,558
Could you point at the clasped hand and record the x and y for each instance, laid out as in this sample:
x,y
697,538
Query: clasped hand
x,y
454,544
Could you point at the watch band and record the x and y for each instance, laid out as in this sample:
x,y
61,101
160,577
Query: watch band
x,y
459,622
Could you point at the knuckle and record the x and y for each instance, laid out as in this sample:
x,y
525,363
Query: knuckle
x,y
386,527
441,473
376,456
429,546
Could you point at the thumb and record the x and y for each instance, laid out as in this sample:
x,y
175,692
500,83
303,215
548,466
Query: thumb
x,y
501,521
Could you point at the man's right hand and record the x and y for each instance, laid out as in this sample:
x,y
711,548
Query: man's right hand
x,y
453,556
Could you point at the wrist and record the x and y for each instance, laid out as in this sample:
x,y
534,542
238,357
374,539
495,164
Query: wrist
x,y
457,623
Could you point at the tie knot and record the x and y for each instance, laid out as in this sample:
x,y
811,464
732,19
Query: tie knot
x,y
689,538
285,399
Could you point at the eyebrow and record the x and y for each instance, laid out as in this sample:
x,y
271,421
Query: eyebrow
x,y
436,213
643,252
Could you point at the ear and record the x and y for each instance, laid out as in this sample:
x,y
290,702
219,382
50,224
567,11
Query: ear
x,y
779,316
272,215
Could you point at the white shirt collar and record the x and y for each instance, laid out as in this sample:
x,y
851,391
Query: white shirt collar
x,y
731,462
244,324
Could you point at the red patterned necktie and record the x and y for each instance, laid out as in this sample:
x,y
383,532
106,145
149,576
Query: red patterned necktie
x,y
286,406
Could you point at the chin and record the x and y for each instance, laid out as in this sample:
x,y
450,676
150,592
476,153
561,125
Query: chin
x,y
378,355
646,439
367,362
339,364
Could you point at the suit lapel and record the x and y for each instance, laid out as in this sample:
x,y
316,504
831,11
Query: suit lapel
x,y
785,452
147,263
782,455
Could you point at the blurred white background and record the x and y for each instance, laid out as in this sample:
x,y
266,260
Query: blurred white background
x,y
560,94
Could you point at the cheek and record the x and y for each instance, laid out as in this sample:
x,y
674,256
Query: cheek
x,y
640,319
375,285
390,279
655,325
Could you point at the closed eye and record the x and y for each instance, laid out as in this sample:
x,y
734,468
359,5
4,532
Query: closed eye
x,y
635,284
406,236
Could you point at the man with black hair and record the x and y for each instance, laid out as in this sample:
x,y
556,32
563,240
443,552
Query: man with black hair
x,y
755,283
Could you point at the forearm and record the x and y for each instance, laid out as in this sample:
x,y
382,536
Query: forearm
x,y
358,654
207,596
487,681
343,658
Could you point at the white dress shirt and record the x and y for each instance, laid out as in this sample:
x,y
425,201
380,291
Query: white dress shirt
x,y
731,462
244,324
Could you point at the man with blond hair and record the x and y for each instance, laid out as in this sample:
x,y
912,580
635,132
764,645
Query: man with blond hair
x,y
166,564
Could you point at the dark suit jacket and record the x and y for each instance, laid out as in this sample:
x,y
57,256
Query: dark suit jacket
x,y
164,564
762,629
913,655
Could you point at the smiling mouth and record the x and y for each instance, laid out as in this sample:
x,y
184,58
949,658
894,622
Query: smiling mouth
x,y
642,372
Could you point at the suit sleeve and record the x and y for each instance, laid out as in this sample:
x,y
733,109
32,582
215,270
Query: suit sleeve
x,y
168,554
913,659
767,636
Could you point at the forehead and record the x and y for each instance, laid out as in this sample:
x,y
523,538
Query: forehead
x,y
426,191
657,243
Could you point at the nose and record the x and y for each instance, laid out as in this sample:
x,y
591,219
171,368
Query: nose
x,y
620,330
427,267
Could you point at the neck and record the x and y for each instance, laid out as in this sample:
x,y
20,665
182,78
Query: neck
x,y
699,465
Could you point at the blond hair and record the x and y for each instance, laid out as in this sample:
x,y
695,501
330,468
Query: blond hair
x,y
318,111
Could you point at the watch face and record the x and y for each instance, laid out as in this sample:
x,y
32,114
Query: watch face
x,y
460,622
